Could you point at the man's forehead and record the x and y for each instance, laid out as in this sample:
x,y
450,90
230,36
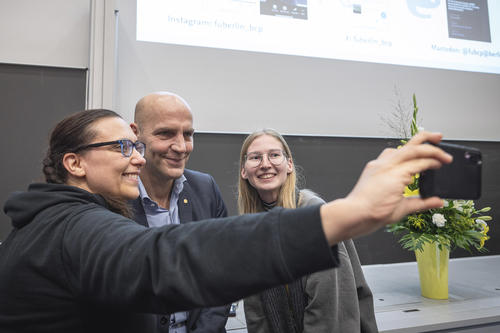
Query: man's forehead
x,y
171,121
169,111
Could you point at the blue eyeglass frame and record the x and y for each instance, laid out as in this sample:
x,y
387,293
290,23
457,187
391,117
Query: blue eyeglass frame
x,y
122,142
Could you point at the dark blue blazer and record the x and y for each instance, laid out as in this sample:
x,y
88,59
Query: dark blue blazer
x,y
200,199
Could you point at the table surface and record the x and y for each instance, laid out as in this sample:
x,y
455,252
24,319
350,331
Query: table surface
x,y
474,297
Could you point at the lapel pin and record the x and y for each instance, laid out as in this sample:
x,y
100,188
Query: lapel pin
x,y
185,200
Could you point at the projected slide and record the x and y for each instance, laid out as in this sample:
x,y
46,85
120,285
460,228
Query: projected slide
x,y
450,34
291,8
469,20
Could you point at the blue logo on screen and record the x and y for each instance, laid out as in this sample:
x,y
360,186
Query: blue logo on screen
x,y
415,5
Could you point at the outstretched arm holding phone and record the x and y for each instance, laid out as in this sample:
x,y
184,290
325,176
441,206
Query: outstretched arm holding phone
x,y
89,268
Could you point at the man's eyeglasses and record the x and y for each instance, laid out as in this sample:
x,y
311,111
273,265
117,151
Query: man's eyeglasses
x,y
274,156
126,146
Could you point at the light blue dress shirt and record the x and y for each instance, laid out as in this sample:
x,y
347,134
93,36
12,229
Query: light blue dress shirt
x,y
158,216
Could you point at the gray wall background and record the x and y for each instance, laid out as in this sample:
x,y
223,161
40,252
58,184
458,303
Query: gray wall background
x,y
32,100
331,166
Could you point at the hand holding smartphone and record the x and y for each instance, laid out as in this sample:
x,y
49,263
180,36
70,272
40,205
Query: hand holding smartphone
x,y
461,179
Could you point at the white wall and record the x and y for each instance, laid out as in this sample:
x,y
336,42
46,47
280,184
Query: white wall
x,y
45,32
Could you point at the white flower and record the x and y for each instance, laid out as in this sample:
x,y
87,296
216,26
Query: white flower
x,y
446,204
482,223
438,220
457,204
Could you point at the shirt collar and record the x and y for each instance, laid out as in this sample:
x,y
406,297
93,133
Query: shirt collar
x,y
176,189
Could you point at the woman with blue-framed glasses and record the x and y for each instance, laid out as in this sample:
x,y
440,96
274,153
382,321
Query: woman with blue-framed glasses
x,y
108,163
75,263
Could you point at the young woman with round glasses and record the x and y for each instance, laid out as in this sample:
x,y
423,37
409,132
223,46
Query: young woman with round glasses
x,y
335,300
74,263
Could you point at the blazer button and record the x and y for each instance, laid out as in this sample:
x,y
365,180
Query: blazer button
x,y
164,320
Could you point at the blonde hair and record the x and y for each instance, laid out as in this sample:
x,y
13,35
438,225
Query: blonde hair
x,y
248,197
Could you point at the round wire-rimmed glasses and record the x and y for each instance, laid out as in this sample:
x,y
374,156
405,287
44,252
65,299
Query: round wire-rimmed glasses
x,y
274,156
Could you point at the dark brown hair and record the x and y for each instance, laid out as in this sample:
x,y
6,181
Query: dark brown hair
x,y
69,134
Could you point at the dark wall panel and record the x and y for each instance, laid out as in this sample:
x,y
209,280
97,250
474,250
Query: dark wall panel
x,y
32,100
330,166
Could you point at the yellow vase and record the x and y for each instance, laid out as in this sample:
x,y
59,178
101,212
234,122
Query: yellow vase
x,y
433,271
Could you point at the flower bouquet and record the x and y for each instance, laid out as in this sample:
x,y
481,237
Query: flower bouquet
x,y
457,224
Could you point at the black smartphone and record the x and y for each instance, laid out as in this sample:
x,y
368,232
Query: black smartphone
x,y
461,179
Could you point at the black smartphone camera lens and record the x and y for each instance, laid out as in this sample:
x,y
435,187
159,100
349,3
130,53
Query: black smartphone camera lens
x,y
472,158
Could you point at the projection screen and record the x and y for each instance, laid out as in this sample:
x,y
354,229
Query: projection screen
x,y
316,67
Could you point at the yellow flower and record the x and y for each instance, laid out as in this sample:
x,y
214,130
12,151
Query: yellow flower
x,y
416,221
410,193
485,236
418,224
414,178
483,239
